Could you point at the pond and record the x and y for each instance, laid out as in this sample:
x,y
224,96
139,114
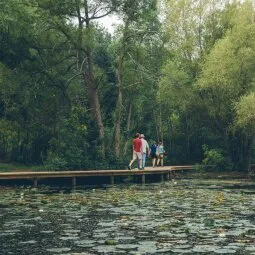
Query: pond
x,y
183,216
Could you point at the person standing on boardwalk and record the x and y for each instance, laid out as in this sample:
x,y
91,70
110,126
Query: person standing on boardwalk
x,y
145,149
153,155
137,151
160,152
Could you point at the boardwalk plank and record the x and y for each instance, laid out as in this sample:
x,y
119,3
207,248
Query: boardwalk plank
x,y
86,173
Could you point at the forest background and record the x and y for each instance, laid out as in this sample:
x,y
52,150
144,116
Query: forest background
x,y
72,95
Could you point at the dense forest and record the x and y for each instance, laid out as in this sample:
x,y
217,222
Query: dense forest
x,y
72,94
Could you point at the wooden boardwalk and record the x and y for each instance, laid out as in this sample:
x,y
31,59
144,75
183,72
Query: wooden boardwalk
x,y
166,172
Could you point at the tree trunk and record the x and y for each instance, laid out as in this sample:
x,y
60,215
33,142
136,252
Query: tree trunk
x,y
95,109
118,110
128,127
187,138
94,102
160,125
156,124
119,106
248,155
170,133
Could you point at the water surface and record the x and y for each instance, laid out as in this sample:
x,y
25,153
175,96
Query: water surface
x,y
184,216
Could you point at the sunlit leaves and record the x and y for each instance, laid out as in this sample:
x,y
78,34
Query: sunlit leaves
x,y
174,87
245,113
228,72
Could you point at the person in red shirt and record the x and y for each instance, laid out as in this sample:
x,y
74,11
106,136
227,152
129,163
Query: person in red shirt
x,y
137,151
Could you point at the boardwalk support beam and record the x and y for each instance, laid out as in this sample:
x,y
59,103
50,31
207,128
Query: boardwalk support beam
x,y
74,182
35,182
162,177
34,177
143,179
168,176
112,180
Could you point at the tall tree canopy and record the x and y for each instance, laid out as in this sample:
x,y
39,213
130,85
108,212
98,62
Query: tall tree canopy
x,y
72,95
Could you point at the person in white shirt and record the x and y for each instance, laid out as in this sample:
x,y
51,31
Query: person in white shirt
x,y
145,150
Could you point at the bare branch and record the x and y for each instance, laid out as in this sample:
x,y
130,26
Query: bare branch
x,y
74,76
101,16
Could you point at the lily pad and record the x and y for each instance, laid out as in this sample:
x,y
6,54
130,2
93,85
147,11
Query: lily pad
x,y
181,251
29,242
204,248
225,251
127,247
153,219
110,242
250,248
85,243
58,250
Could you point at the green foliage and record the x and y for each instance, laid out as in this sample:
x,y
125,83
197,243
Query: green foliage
x,y
69,148
200,168
189,84
55,163
245,113
175,87
228,77
110,242
216,158
9,137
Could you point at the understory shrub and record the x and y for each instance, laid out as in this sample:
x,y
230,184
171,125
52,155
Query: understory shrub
x,y
55,162
216,158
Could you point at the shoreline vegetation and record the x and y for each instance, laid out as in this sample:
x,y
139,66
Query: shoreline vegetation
x,y
13,167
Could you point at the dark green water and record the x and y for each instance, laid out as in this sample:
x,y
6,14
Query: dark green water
x,y
185,216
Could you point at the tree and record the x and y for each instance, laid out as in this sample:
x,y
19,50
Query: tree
x,y
76,21
228,74
139,24
245,121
